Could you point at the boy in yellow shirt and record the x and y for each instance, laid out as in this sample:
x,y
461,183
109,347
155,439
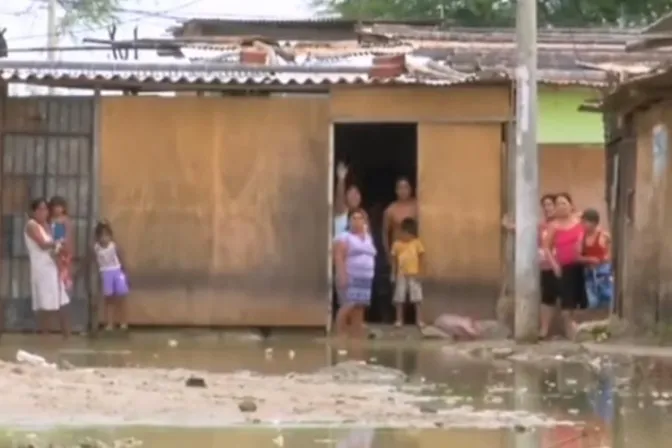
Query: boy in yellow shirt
x,y
407,262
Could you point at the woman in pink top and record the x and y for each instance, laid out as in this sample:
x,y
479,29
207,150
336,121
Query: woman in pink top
x,y
562,246
549,288
549,283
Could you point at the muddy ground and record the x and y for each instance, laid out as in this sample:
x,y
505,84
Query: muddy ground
x,y
349,393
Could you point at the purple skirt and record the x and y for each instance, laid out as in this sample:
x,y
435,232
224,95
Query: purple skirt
x,y
114,283
357,292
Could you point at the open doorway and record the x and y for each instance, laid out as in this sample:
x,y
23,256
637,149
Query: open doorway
x,y
377,154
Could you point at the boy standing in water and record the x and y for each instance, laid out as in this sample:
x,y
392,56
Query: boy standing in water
x,y
407,255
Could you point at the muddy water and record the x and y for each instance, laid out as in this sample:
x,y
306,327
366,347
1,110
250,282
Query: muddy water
x,y
619,403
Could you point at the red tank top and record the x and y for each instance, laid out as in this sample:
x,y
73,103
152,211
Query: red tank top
x,y
567,244
595,249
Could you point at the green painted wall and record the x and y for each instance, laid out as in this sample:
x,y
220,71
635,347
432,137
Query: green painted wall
x,y
560,120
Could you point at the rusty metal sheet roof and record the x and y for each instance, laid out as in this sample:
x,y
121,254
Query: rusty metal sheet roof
x,y
315,27
466,56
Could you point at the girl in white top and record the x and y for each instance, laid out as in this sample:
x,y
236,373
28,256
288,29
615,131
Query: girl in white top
x,y
113,281
48,292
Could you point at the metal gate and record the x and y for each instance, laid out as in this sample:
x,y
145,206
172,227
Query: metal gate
x,y
47,149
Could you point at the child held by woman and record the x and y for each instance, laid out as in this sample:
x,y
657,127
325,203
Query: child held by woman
x,y
113,280
61,229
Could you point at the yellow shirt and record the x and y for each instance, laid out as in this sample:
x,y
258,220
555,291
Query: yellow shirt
x,y
407,255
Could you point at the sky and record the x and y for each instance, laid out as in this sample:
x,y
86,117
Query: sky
x,y
26,21
26,24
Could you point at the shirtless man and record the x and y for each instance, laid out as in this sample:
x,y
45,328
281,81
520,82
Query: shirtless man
x,y
404,207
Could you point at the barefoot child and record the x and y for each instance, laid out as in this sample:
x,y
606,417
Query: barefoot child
x,y
407,262
61,228
114,284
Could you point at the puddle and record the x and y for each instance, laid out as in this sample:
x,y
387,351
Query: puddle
x,y
392,395
271,438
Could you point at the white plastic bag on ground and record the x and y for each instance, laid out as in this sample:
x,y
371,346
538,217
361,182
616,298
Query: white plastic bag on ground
x,y
24,357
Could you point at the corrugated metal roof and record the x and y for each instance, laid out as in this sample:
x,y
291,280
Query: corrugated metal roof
x,y
350,69
106,77
463,56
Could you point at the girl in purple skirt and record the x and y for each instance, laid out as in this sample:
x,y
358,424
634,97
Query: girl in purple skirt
x,y
113,281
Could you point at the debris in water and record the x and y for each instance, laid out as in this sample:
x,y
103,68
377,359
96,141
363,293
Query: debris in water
x,y
268,353
342,352
432,332
292,354
279,441
494,399
25,357
432,406
65,365
194,381
502,352
172,343
247,405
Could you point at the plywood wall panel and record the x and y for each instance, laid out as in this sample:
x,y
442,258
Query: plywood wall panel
x,y
460,215
221,206
417,104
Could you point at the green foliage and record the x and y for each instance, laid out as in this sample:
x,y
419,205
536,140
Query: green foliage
x,y
88,13
497,13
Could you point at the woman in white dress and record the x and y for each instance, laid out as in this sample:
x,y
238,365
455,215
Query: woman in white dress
x,y
48,293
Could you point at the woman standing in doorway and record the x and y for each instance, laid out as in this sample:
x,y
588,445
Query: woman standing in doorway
x,y
354,258
562,246
346,200
48,291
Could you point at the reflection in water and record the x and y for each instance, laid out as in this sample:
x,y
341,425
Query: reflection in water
x,y
358,438
615,406
528,382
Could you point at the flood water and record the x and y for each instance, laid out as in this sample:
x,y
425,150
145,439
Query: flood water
x,y
620,403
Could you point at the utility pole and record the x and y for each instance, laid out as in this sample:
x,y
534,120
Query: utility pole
x,y
526,267
52,34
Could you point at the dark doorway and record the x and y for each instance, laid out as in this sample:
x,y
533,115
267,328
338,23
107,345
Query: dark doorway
x,y
377,154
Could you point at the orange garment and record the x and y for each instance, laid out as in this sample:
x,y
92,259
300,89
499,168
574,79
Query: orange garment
x,y
64,263
61,233
595,249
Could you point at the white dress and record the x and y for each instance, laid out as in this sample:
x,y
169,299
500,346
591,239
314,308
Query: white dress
x,y
48,293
